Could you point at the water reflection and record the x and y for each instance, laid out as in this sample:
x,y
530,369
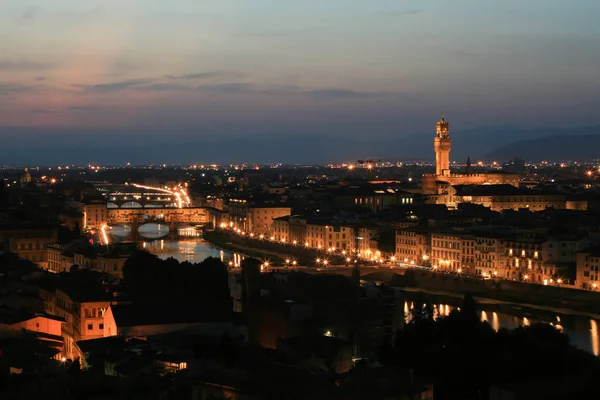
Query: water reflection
x,y
495,321
153,231
192,250
147,231
594,337
583,332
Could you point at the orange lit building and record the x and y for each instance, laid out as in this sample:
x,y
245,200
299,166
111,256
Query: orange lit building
x,y
189,215
255,218
453,251
588,270
95,214
83,311
29,243
104,260
413,245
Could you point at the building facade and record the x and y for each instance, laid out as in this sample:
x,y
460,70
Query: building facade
x,y
588,270
30,244
256,219
413,246
189,215
95,214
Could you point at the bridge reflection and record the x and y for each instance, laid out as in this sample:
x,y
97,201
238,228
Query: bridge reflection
x,y
152,231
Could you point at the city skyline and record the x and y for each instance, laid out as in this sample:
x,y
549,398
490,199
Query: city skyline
x,y
262,68
315,199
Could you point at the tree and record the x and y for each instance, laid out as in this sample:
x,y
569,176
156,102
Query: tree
x,y
148,277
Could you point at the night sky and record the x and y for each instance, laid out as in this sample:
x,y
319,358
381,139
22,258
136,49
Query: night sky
x,y
344,68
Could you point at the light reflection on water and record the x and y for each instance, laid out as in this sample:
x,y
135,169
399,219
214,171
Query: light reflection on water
x,y
582,331
192,250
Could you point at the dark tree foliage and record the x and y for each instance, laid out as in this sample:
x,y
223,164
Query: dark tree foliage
x,y
387,241
464,356
147,277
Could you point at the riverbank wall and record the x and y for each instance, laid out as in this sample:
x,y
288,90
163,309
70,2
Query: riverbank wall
x,y
507,291
557,297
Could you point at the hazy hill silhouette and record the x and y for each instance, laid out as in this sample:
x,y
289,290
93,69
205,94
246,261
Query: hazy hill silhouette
x,y
39,146
554,148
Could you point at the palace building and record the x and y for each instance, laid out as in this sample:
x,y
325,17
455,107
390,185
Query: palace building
x,y
443,179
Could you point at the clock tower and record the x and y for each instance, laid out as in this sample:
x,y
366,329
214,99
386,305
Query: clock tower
x,y
442,145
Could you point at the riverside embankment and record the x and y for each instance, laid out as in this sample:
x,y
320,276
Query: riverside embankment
x,y
556,298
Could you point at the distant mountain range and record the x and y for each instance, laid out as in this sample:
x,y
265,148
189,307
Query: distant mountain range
x,y
555,148
501,143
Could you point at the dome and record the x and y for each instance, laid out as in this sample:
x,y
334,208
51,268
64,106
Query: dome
x,y
26,177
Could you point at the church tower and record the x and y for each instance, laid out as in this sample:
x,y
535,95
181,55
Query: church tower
x,y
441,145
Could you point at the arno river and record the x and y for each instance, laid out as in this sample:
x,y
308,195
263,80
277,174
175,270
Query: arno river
x,y
582,331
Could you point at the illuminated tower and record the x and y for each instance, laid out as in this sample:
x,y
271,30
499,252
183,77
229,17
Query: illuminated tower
x,y
441,145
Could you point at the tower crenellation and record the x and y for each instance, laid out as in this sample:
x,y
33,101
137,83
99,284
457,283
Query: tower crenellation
x,y
443,128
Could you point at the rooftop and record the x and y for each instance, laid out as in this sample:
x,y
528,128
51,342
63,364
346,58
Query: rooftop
x,y
497,190
159,314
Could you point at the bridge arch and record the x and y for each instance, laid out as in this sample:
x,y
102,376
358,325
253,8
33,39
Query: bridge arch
x,y
110,204
153,230
131,204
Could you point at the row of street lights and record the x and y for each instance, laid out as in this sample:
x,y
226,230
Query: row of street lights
x,y
368,255
376,258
